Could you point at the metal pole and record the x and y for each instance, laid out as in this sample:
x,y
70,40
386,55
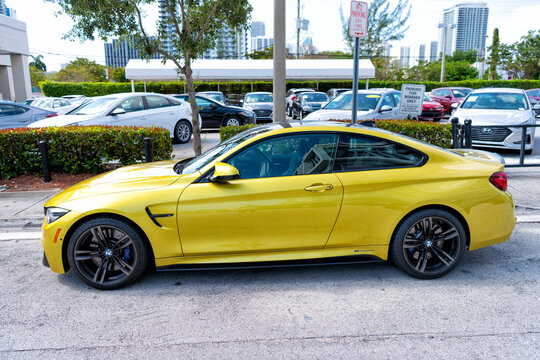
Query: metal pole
x,y
298,30
443,53
132,85
355,81
279,61
522,149
148,149
45,160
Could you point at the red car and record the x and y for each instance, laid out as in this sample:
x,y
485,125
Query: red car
x,y
431,110
449,95
533,94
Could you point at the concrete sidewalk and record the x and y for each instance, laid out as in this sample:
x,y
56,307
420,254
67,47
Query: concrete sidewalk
x,y
24,209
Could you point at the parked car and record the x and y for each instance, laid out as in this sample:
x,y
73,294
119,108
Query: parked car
x,y
372,104
449,95
13,115
215,114
291,96
131,109
334,92
73,97
498,106
214,95
307,102
331,185
262,104
58,105
534,96
431,110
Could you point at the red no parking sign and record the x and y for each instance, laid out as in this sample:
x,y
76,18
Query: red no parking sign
x,y
358,19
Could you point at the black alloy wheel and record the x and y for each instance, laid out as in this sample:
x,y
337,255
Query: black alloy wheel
x,y
182,132
107,253
429,244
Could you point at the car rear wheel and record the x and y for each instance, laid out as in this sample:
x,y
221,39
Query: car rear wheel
x,y
289,111
107,253
232,121
182,132
429,244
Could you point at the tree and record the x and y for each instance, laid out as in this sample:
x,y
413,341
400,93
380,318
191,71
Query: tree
x,y
267,53
494,55
521,60
469,56
117,74
383,26
38,63
194,23
36,75
82,70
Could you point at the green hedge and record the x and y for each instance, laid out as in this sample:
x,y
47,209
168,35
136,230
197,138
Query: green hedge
x,y
433,133
78,149
241,87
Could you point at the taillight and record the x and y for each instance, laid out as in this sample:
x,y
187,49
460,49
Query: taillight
x,y
499,180
51,115
294,97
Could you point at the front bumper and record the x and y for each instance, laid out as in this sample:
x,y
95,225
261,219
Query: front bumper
x,y
504,138
53,238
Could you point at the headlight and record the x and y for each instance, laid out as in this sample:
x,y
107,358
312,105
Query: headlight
x,y
247,113
53,213
306,107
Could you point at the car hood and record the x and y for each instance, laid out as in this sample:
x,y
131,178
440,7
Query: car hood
x,y
61,120
431,105
140,177
332,114
260,106
315,103
493,117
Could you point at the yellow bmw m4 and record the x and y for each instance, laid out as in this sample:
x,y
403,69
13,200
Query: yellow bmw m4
x,y
283,194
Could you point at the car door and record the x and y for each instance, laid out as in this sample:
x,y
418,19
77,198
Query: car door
x,y
13,116
211,117
388,100
286,199
135,113
378,176
160,112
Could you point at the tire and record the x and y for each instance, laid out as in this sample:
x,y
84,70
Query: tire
x,y
182,132
106,253
232,121
428,244
294,117
289,111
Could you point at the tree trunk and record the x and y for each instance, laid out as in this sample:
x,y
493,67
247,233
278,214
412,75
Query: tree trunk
x,y
194,108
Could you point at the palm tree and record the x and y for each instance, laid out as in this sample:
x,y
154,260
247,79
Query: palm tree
x,y
38,63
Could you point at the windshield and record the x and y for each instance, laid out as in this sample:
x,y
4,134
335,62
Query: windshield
x,y
259,98
314,97
214,96
427,98
461,93
94,107
41,103
496,101
202,160
366,102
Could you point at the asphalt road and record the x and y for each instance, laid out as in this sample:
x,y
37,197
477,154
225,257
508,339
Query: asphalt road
x,y
487,308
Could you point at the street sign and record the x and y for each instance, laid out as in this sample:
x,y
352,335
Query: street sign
x,y
358,19
412,98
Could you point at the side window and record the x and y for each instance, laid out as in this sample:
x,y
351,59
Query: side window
x,y
397,97
155,102
132,104
436,92
387,100
203,102
65,103
290,155
357,152
56,103
446,92
10,110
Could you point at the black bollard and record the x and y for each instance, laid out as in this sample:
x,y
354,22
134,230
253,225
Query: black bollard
x,y
148,149
455,135
45,161
468,133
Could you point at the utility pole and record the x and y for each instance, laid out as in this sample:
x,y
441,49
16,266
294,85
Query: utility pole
x,y
298,25
445,27
279,61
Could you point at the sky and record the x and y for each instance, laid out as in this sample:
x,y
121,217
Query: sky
x,y
46,28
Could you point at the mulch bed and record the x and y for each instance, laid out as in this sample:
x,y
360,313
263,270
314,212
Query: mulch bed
x,y
35,182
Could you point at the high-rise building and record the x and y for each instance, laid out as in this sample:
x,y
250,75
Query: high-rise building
x,y
464,26
3,8
118,53
260,43
404,55
422,53
164,16
258,29
433,51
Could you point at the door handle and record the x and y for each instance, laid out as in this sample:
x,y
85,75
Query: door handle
x,y
319,187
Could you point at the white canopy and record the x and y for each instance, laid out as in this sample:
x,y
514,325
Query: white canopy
x,y
308,69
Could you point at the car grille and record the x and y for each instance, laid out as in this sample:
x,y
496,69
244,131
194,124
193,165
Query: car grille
x,y
480,133
263,113
431,113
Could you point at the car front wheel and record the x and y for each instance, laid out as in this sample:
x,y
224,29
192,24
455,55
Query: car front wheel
x,y
232,121
182,132
107,253
429,244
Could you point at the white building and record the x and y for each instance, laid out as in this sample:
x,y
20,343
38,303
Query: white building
x,y
465,26
14,73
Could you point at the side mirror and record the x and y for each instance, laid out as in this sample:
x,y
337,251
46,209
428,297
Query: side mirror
x,y
385,108
118,111
224,172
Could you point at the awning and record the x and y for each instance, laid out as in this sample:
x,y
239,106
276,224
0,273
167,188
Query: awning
x,y
308,69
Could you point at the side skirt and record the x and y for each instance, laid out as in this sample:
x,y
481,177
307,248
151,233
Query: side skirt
x,y
353,259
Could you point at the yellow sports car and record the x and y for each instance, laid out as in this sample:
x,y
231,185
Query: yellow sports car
x,y
283,194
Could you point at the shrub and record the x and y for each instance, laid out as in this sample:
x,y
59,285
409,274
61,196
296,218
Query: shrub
x,y
78,149
227,132
433,133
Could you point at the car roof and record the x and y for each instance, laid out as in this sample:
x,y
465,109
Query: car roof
x,y
210,92
452,88
498,90
259,92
